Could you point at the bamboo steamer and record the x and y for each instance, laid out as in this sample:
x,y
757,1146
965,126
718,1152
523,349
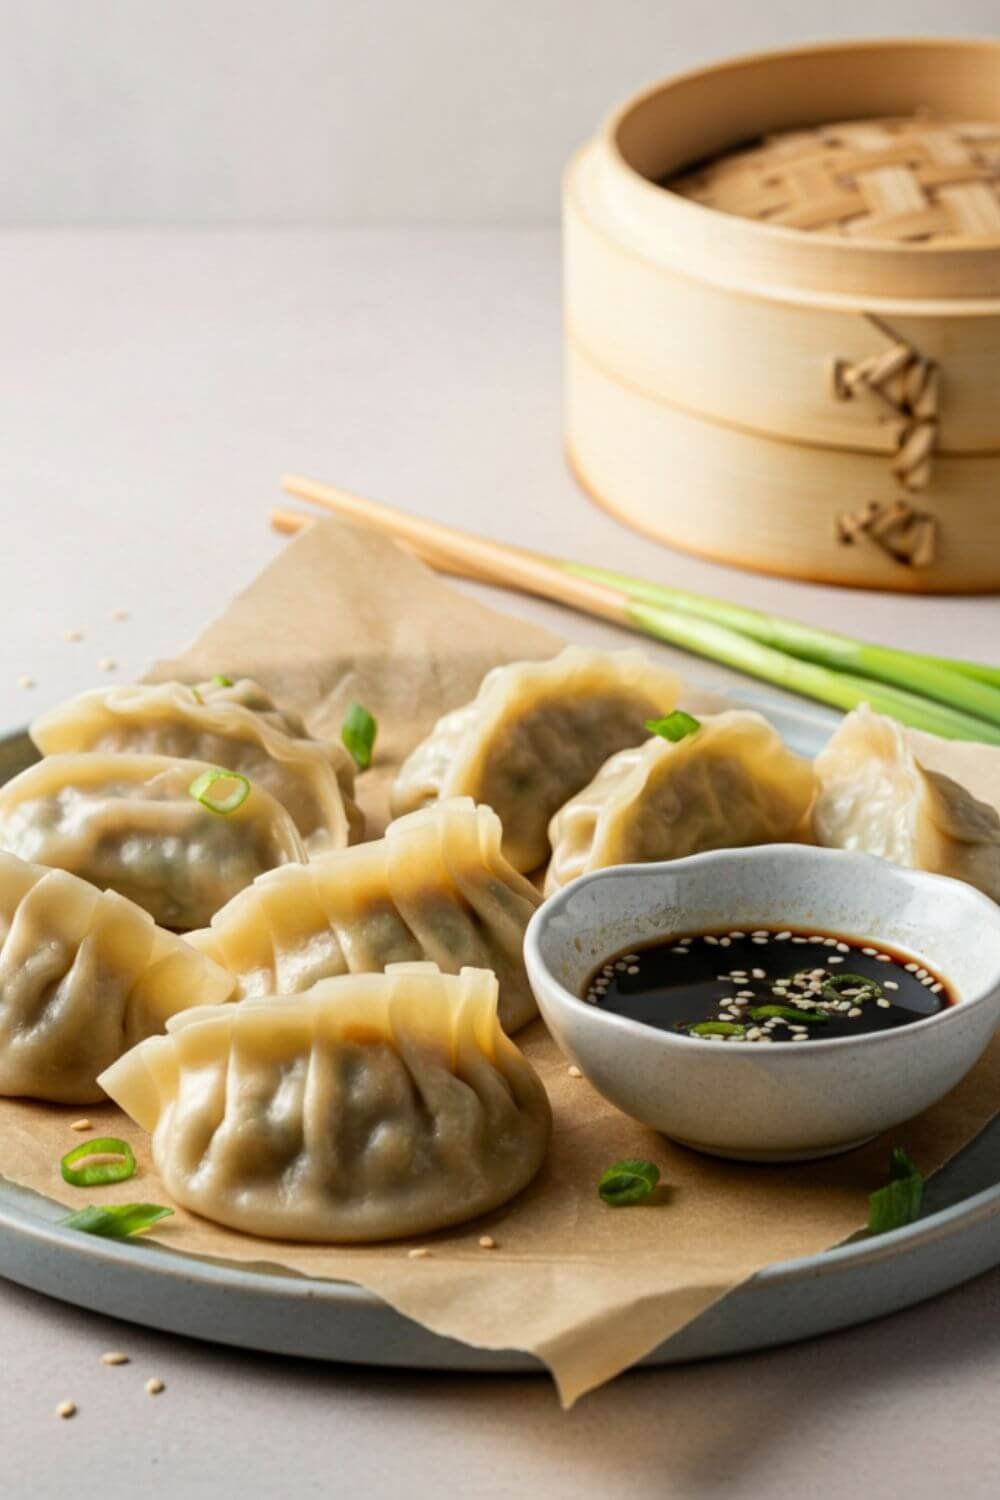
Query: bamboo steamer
x,y
788,357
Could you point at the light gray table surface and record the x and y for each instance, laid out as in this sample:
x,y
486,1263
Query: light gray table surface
x,y
153,386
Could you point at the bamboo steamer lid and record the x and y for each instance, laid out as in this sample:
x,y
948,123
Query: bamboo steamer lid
x,y
783,313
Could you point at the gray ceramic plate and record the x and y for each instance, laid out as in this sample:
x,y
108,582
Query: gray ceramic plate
x,y
265,1307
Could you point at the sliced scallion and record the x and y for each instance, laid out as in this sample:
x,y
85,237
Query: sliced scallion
x,y
628,1182
96,1170
831,988
899,1202
787,1013
358,733
675,726
220,681
116,1221
201,790
717,1028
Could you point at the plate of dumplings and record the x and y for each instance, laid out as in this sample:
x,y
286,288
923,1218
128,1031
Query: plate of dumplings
x,y
315,1027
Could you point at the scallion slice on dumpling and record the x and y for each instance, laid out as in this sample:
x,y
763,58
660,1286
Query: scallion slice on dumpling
x,y
728,783
84,975
535,733
134,824
436,886
369,1107
876,796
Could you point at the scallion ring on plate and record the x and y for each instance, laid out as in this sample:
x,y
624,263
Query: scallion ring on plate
x,y
219,680
114,1161
116,1221
201,790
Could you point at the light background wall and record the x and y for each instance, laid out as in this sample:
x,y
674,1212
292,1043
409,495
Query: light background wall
x,y
372,111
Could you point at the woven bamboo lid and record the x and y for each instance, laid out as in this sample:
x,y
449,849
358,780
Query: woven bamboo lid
x,y
908,180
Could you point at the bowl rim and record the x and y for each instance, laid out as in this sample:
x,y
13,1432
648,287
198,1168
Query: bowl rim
x,y
882,869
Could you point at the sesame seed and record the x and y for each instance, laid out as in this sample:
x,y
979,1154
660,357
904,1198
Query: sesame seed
x,y
632,969
855,1011
66,1409
24,681
108,664
843,948
154,1386
760,932
487,1242
574,1071
817,937
682,951
754,1034
73,635
891,984
883,958
829,942
759,942
81,1125
114,1357
835,958
758,973
420,1253
928,981
710,939
801,1036
912,968
883,1004
621,966
937,988
782,937
725,942
737,934
631,958
869,952
800,940
745,995
737,974
120,614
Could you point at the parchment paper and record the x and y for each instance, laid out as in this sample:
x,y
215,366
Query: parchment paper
x,y
343,614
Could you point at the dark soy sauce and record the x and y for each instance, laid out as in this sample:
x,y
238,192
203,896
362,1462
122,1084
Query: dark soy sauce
x,y
714,985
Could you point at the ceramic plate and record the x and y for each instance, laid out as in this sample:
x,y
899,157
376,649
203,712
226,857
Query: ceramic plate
x,y
268,1308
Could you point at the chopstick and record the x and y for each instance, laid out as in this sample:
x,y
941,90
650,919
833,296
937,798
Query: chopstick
x,y
924,692
447,549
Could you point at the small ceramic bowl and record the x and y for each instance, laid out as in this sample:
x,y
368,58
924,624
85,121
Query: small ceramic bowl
x,y
778,1103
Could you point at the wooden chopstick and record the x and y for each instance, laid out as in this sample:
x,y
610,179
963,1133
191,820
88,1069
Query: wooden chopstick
x,y
460,552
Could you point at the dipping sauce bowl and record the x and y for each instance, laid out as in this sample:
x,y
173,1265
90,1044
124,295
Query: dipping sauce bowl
x,y
769,1103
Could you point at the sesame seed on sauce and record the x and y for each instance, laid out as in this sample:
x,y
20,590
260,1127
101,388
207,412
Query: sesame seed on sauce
x,y
819,1001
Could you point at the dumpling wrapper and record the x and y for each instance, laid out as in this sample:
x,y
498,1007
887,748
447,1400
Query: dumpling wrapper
x,y
370,1107
128,823
84,975
875,795
730,783
237,727
436,887
534,735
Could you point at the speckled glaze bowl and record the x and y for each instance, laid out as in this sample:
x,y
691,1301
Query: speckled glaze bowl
x,y
778,1103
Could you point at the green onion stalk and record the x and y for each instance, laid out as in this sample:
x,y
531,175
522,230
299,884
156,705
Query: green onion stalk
x,y
841,690
972,691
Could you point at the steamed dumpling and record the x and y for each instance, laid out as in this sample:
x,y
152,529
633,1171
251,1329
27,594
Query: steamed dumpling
x,y
730,783
436,886
236,726
128,823
874,795
535,733
250,694
84,975
371,1106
